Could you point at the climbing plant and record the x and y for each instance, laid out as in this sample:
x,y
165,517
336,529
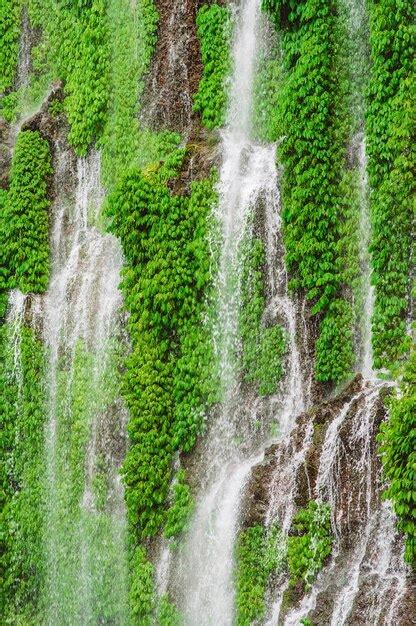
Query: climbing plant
x,y
397,439
391,163
9,37
214,33
23,418
314,125
263,346
266,90
310,544
132,38
24,226
181,508
74,49
166,386
260,553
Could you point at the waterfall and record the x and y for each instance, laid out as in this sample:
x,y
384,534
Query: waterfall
x,y
15,319
374,559
248,176
366,361
85,519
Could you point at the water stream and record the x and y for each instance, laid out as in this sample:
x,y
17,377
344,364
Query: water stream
x,y
248,176
85,521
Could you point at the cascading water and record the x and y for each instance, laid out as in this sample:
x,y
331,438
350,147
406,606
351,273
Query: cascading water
x,y
375,559
353,14
366,361
248,176
15,319
85,519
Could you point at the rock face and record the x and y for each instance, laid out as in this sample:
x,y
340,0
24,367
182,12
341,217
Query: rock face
x,y
331,455
176,67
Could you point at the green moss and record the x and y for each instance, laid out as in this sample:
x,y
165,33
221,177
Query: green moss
x,y
260,553
309,547
391,161
214,33
398,453
24,227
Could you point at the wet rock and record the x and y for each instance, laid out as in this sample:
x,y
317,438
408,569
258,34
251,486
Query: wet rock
x,y
48,125
176,68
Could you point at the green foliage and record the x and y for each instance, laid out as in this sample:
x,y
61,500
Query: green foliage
x,y
181,508
260,553
398,452
333,347
314,124
74,48
86,83
8,106
167,272
22,410
263,347
56,108
132,37
24,227
214,33
308,549
9,37
142,587
391,163
267,86
87,387
168,614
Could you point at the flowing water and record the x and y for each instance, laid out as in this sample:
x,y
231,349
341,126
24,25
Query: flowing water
x,y
85,526
248,177
372,556
85,521
366,361
367,553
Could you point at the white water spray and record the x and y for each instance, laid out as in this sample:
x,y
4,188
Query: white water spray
x,y
248,175
80,310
